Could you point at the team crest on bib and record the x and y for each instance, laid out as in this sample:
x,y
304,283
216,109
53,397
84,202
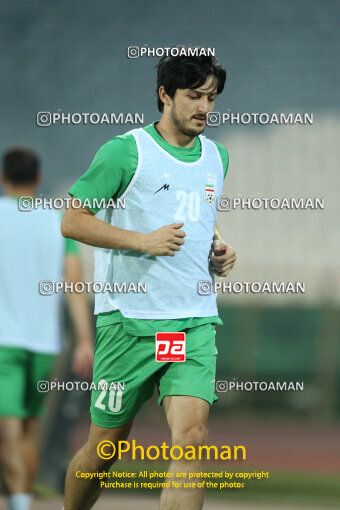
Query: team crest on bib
x,y
210,189
210,194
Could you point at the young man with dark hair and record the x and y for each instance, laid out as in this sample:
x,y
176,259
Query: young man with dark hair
x,y
32,250
20,167
166,236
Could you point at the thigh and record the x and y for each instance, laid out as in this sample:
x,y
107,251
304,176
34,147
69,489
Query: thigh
x,y
114,434
11,432
101,446
13,379
183,413
30,428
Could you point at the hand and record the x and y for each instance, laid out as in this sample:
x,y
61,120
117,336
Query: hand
x,y
82,363
222,258
164,241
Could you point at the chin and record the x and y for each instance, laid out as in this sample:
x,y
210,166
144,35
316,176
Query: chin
x,y
199,131
194,131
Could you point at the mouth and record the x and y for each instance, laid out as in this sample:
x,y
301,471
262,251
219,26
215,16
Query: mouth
x,y
199,119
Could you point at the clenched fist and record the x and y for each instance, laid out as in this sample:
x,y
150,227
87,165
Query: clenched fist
x,y
222,258
164,241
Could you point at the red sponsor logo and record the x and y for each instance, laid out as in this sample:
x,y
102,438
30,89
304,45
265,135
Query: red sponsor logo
x,y
170,346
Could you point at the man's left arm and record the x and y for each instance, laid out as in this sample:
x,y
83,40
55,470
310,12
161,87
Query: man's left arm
x,y
78,305
222,256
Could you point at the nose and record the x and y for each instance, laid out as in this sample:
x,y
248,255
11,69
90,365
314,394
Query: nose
x,y
203,105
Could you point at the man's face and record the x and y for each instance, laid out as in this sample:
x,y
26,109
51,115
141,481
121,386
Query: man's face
x,y
190,107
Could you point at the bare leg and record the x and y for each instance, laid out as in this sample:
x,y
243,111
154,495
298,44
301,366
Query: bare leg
x,y
81,493
187,418
12,463
30,452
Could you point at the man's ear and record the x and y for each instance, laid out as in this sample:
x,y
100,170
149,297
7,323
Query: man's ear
x,y
166,100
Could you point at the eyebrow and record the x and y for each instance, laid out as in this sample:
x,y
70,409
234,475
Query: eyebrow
x,y
201,91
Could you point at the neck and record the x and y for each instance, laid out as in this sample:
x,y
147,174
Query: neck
x,y
171,134
20,191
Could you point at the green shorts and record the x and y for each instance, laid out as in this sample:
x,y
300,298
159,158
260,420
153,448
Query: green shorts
x,y
127,365
20,371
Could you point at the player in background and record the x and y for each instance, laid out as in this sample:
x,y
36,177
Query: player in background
x,y
32,250
166,235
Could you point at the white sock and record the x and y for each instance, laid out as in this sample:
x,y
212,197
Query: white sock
x,y
19,501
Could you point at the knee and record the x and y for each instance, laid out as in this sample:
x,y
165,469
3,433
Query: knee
x,y
101,453
101,445
10,440
91,457
195,435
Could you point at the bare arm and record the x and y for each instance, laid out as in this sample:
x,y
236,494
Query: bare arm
x,y
80,224
80,315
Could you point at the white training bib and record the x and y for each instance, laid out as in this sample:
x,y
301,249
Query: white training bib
x,y
32,249
162,191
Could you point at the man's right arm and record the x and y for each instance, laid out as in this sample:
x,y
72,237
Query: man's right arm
x,y
108,177
80,224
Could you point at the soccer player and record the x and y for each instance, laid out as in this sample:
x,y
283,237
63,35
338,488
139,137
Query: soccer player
x,y
32,250
170,176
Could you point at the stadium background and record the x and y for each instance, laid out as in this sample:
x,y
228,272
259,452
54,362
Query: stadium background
x,y
280,57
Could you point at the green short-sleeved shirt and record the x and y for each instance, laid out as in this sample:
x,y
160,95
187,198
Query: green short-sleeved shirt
x,y
109,175
71,247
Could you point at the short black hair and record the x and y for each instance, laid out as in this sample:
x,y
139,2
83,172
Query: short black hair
x,y
187,72
20,166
